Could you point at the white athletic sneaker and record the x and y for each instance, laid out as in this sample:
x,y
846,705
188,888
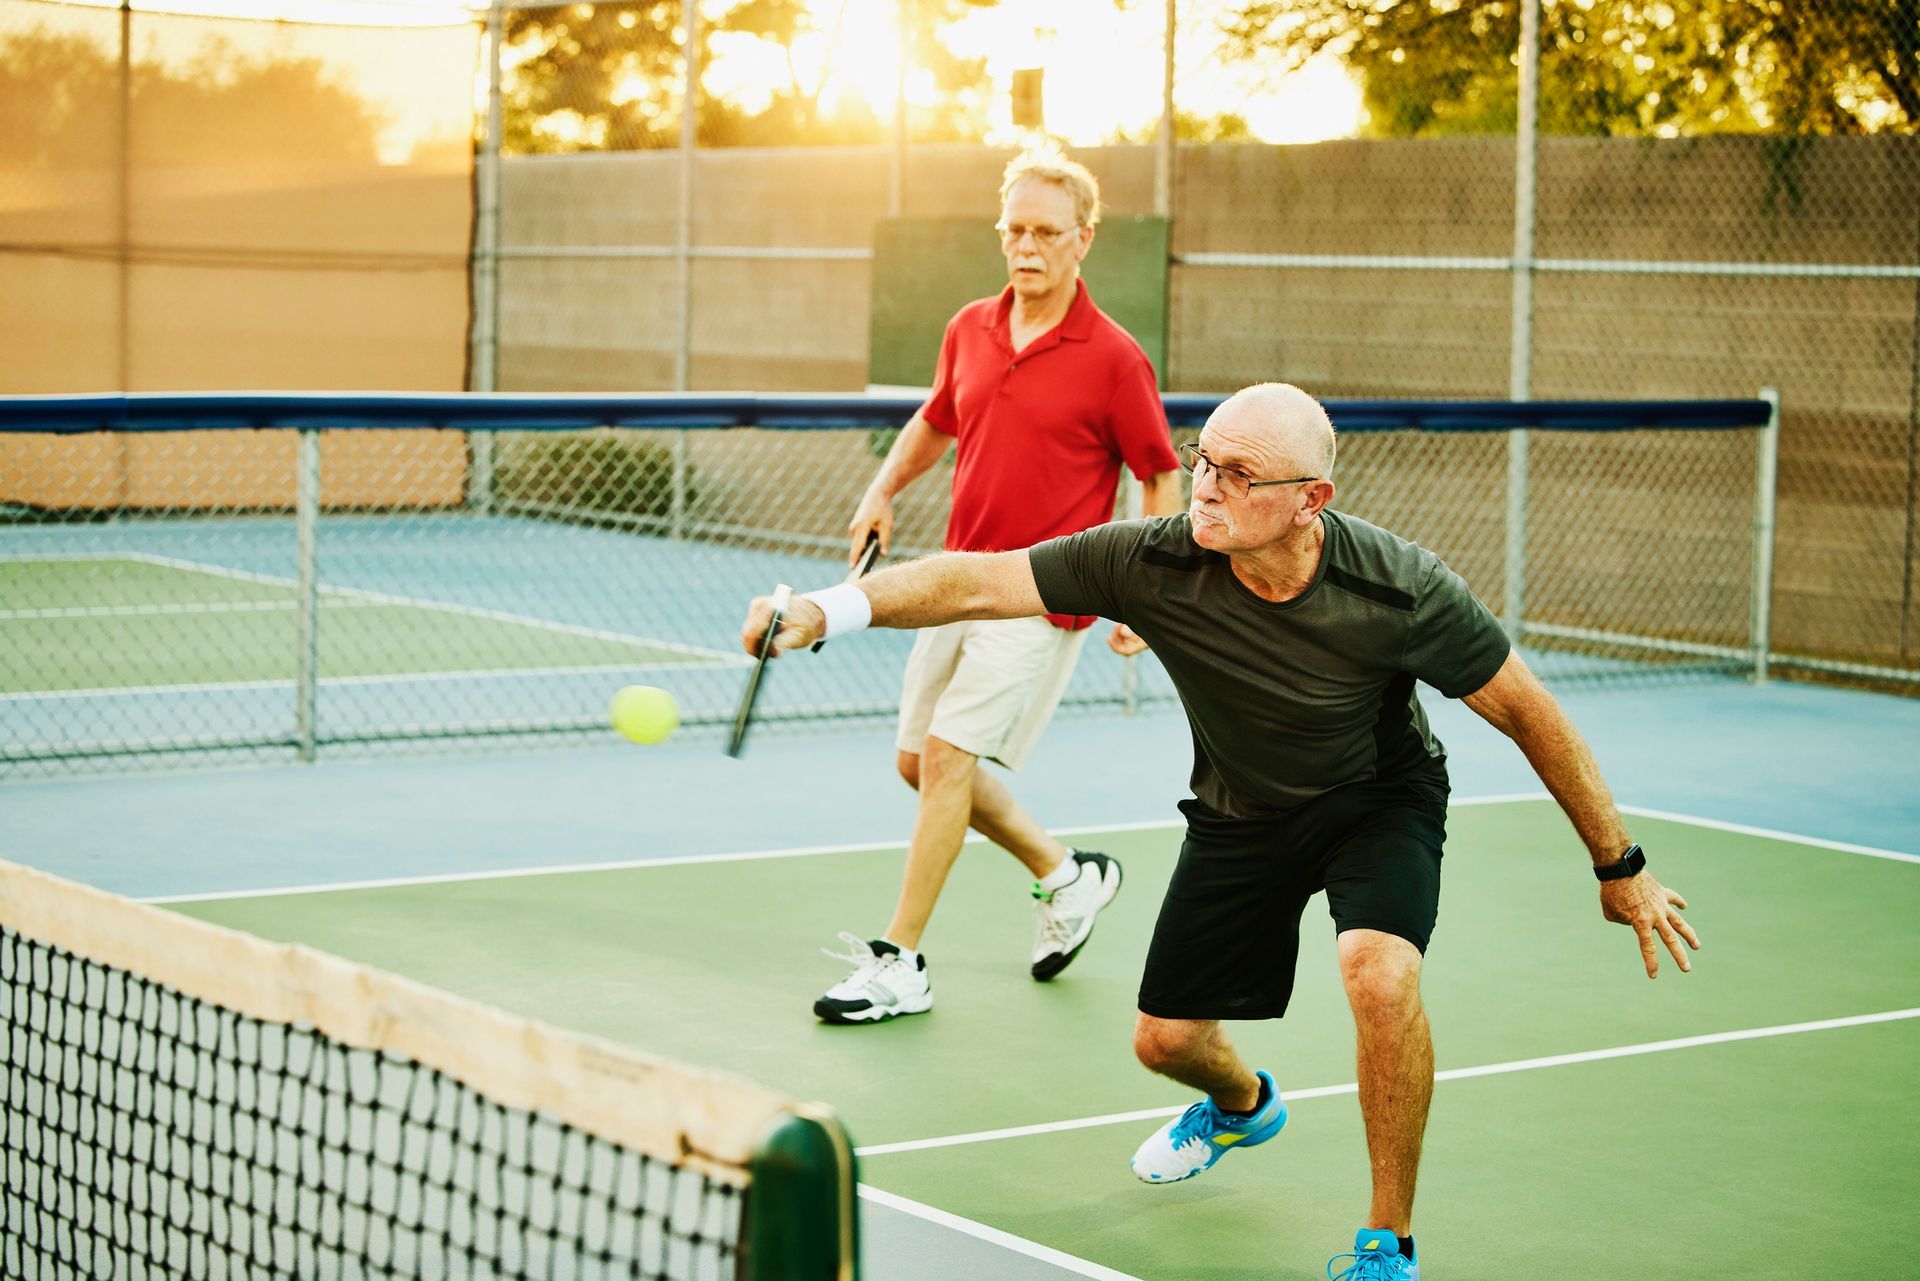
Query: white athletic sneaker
x,y
881,986
1063,920
1200,1136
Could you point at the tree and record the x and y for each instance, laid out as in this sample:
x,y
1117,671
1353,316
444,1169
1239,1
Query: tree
x,y
1631,67
1189,126
610,76
58,94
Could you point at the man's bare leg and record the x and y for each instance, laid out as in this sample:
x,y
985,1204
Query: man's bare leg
x,y
946,781
1197,1052
1382,977
995,815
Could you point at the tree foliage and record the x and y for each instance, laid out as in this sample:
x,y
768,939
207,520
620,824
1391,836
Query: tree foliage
x,y
610,76
1629,67
58,96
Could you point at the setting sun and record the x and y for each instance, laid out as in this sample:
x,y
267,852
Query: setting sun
x,y
1103,69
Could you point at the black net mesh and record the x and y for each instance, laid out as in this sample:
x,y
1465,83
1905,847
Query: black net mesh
x,y
153,1134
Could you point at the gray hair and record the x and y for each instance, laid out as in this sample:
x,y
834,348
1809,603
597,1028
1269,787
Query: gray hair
x,y
1047,162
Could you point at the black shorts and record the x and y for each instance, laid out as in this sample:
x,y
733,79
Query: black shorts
x,y
1229,929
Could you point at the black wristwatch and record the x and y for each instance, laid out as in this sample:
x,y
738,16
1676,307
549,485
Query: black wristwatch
x,y
1629,865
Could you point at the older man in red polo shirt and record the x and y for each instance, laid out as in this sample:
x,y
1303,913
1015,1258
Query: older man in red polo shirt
x,y
1047,398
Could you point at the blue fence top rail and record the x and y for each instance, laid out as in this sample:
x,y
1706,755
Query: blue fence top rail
x,y
793,411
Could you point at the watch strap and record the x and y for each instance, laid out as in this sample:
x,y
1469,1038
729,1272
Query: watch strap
x,y
1629,865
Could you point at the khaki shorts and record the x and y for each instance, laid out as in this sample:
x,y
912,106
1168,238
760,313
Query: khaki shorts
x,y
988,686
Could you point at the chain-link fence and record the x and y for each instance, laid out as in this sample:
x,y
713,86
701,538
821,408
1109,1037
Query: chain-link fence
x,y
1585,210
1592,208
295,592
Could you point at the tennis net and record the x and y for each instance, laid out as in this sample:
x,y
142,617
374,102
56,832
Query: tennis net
x,y
182,1100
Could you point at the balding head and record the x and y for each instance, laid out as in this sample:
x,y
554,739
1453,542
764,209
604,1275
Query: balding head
x,y
1285,420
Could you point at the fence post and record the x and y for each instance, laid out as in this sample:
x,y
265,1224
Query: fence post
x,y
683,234
897,162
1520,359
677,496
1133,504
1164,141
1765,497
486,269
307,658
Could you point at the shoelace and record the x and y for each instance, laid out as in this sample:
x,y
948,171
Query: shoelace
x,y
1193,1126
1055,919
861,954
1369,1265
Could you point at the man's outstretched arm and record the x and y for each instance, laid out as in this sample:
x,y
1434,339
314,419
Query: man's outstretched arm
x,y
921,593
1519,706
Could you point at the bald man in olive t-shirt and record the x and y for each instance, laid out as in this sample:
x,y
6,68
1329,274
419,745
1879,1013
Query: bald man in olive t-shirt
x,y
1294,635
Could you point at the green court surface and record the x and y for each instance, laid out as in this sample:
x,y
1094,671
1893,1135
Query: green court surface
x,y
1753,1155
162,614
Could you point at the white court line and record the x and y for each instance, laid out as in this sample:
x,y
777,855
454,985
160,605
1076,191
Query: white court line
x,y
683,860
362,596
1743,830
623,865
344,682
444,607
994,1236
171,609
1451,1074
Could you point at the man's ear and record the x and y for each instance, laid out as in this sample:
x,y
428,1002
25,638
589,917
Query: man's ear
x,y
1319,494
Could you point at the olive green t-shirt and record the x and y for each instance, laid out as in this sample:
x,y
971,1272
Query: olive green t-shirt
x,y
1287,699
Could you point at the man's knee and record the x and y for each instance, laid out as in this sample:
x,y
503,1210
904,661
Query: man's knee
x,y
1161,1044
908,763
1381,972
944,765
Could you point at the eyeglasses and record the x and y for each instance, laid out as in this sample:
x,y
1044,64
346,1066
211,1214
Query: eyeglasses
x,y
1012,233
1232,483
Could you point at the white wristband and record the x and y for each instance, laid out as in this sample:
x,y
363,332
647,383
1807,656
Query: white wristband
x,y
847,608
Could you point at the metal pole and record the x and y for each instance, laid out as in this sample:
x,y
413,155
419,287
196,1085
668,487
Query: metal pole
x,y
1133,502
677,494
897,175
306,681
1520,360
1163,142
689,146
486,268
123,209
1765,498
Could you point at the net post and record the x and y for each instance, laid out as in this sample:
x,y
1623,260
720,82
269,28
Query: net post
x,y
1765,496
307,659
802,1222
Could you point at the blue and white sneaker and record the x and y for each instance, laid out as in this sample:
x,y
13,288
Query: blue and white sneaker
x,y
1376,1257
1201,1135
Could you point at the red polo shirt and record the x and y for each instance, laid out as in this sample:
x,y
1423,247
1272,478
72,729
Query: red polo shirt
x,y
1042,434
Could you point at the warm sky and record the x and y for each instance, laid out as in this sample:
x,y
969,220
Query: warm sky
x,y
1103,67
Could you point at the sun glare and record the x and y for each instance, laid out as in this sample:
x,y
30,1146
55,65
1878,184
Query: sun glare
x,y
1103,68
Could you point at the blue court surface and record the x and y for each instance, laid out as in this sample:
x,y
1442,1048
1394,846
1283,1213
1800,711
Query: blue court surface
x,y
995,1130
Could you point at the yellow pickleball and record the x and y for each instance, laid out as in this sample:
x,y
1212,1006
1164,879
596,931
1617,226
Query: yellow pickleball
x,y
644,713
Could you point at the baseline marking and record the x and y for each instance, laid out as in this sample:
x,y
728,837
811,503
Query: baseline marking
x,y
1451,1074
